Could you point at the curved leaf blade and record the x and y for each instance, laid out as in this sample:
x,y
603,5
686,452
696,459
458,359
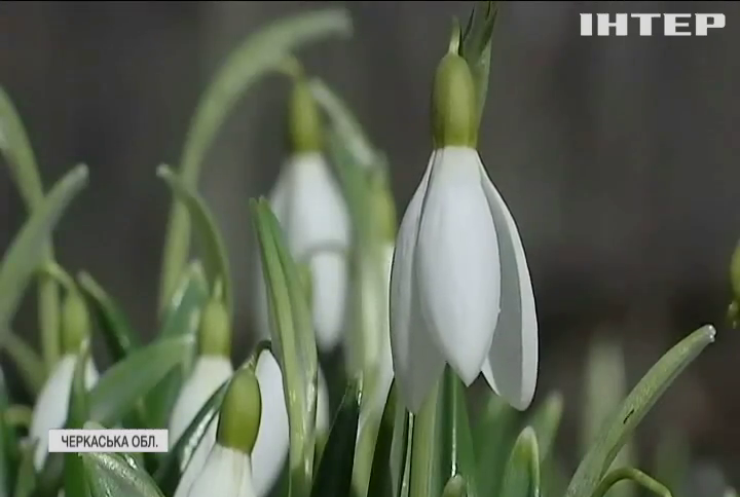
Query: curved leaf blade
x,y
213,248
334,473
129,380
522,475
110,475
27,361
28,248
117,333
259,54
391,448
618,427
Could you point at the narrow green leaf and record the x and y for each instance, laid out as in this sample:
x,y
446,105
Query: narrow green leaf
x,y
495,433
522,474
213,249
127,381
546,421
425,475
389,458
28,248
458,457
110,475
16,148
296,359
616,430
334,473
26,480
259,54
8,443
29,364
169,472
636,476
74,472
181,318
605,389
117,333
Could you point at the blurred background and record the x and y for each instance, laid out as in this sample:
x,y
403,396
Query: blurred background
x,y
618,157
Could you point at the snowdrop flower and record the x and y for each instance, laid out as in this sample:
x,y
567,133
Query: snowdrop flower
x,y
228,468
52,404
460,289
271,447
311,209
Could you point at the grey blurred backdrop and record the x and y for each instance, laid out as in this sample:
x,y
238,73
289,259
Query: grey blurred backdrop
x,y
617,156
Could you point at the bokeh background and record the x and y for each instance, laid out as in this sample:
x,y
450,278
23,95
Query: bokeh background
x,y
617,156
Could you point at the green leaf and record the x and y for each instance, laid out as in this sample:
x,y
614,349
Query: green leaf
x,y
617,429
127,381
605,389
475,47
8,443
16,148
458,457
26,481
29,364
213,249
28,248
169,472
181,318
110,475
74,472
522,474
261,53
389,458
495,433
334,473
293,337
118,334
636,476
546,421
425,475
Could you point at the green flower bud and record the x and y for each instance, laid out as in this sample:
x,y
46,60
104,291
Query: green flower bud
x,y
214,334
75,322
240,414
454,120
304,119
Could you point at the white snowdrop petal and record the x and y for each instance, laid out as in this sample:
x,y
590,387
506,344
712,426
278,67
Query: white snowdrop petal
x,y
227,472
329,282
317,215
209,373
271,447
416,361
457,262
198,460
52,404
511,368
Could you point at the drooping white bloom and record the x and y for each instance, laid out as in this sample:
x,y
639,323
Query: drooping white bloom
x,y
309,205
271,446
52,405
209,373
227,472
461,291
